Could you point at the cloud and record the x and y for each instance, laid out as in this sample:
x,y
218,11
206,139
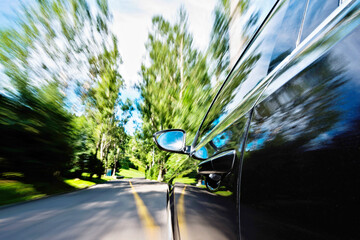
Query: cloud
x,y
131,24
132,21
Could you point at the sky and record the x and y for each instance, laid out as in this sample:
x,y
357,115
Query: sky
x,y
131,24
132,21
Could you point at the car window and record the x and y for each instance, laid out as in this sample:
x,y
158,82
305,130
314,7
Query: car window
x,y
246,18
316,12
251,69
289,32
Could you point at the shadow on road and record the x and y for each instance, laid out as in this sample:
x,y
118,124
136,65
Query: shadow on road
x,y
100,212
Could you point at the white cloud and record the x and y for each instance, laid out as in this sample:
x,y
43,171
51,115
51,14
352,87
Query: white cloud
x,y
132,21
131,24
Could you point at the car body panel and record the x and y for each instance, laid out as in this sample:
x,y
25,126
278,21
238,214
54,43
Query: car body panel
x,y
290,110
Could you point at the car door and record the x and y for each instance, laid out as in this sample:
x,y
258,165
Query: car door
x,y
300,171
220,140
256,150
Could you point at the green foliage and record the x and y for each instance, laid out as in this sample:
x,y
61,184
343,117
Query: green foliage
x,y
175,90
220,40
131,173
108,133
35,134
185,180
135,153
58,47
52,48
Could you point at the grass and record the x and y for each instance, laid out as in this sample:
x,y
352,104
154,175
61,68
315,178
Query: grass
x,y
106,178
15,188
131,173
185,180
95,179
12,191
79,183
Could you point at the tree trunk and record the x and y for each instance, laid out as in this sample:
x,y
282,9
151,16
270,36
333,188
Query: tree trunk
x,y
161,172
106,153
102,146
182,80
153,157
98,145
116,160
160,176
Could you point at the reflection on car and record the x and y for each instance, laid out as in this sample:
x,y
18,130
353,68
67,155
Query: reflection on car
x,y
278,151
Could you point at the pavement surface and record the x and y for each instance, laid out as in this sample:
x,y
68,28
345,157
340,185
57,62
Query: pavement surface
x,y
121,209
205,215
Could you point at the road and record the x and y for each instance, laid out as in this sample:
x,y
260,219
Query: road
x,y
204,215
121,209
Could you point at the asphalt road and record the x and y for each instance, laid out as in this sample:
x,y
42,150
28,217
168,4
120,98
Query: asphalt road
x,y
121,209
204,215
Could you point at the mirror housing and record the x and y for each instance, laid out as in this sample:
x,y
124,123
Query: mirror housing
x,y
171,140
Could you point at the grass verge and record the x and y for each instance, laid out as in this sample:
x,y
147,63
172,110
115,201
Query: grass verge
x,y
185,180
78,183
12,191
131,173
15,188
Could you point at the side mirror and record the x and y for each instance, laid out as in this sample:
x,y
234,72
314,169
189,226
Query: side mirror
x,y
172,140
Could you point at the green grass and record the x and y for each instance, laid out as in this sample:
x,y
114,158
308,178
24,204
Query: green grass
x,y
131,173
95,179
12,191
79,183
15,188
107,178
185,180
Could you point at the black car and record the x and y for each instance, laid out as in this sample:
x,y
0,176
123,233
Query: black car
x,y
278,151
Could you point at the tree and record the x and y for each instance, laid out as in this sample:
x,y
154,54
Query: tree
x,y
220,40
54,46
175,89
103,98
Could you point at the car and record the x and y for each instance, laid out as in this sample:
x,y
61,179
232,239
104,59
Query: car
x,y
278,151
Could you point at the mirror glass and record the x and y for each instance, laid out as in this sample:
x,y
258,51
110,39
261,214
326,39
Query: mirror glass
x,y
172,140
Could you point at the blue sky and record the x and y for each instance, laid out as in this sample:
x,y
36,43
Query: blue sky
x,y
6,10
131,23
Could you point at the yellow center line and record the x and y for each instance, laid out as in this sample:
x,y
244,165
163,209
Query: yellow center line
x,y
181,215
152,230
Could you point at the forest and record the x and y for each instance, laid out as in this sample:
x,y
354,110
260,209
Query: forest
x,y
61,108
